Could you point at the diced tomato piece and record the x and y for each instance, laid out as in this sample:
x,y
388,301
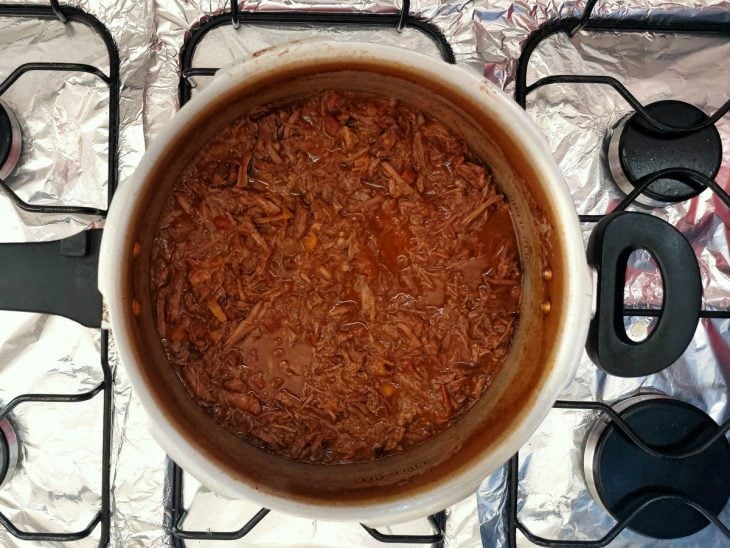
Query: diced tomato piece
x,y
409,175
331,125
222,222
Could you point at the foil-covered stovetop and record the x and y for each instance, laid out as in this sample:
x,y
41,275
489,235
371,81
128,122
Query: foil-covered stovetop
x,y
57,485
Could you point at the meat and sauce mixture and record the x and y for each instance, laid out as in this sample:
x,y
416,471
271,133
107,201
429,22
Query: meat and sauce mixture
x,y
337,278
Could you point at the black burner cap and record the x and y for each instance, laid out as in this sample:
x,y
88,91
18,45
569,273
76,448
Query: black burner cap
x,y
6,135
5,458
625,476
644,150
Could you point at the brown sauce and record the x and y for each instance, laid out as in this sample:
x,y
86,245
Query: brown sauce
x,y
337,278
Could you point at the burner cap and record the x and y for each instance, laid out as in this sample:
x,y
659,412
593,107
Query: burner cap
x,y
636,149
6,134
10,141
8,450
621,476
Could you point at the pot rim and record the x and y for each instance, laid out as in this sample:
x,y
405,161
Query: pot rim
x,y
577,302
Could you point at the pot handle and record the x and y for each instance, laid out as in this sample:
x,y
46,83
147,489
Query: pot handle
x,y
611,242
57,277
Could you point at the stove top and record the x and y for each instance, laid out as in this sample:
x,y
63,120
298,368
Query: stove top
x,y
670,461
634,106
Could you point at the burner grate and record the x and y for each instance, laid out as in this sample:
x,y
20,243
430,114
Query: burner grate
x,y
657,24
513,521
571,25
66,15
292,19
102,519
693,177
175,513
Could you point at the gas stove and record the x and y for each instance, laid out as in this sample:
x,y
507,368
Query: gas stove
x,y
634,104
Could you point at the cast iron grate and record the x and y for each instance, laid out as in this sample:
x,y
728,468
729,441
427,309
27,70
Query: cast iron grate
x,y
175,512
513,521
237,18
102,517
654,24
69,15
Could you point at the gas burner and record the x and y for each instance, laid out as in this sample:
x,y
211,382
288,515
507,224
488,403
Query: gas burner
x,y
621,475
636,149
11,141
8,451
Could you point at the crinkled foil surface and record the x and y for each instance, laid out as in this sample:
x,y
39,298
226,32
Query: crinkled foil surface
x,y
64,119
554,501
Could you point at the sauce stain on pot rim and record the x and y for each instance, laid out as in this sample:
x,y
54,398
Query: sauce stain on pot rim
x,y
489,436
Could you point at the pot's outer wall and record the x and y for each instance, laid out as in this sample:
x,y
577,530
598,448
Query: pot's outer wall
x,y
546,346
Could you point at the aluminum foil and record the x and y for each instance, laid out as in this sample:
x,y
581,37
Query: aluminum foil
x,y
554,501
211,511
55,127
64,118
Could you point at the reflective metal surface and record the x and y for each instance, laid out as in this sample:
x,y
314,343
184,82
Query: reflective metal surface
x,y
614,164
8,451
554,500
594,436
16,144
63,119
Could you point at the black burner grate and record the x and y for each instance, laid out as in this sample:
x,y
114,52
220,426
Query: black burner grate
x,y
67,15
175,512
658,24
513,521
654,24
293,19
102,517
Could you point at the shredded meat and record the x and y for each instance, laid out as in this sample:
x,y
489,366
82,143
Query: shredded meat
x,y
337,278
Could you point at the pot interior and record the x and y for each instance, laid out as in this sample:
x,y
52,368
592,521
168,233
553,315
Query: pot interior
x,y
477,434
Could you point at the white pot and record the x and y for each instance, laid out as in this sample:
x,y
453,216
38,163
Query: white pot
x,y
546,349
